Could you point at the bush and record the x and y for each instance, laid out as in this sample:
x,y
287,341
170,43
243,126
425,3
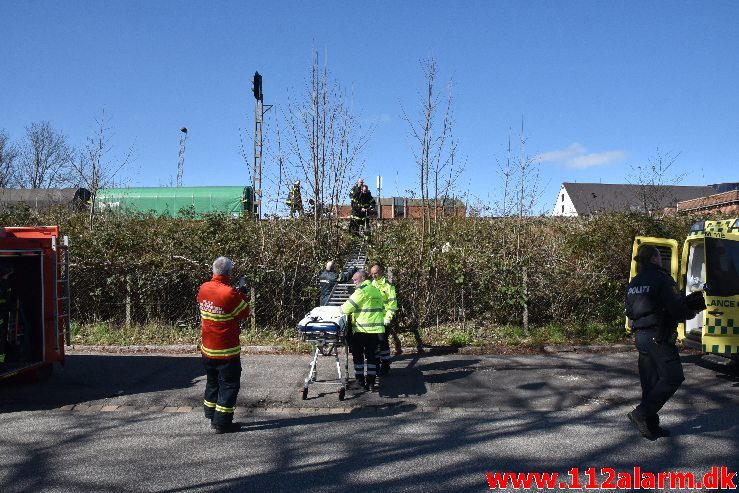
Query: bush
x,y
566,272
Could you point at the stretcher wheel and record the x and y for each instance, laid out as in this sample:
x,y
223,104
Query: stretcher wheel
x,y
305,393
342,393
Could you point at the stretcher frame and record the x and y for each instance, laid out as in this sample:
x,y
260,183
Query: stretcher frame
x,y
324,345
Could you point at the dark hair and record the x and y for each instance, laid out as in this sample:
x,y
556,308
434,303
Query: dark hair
x,y
645,254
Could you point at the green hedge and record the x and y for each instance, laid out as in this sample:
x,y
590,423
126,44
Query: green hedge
x,y
145,269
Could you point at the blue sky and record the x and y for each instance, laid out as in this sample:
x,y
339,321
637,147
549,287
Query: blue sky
x,y
600,86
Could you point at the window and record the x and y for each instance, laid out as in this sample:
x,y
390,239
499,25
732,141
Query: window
x,y
563,207
722,267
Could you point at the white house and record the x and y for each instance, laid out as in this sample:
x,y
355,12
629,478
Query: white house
x,y
575,199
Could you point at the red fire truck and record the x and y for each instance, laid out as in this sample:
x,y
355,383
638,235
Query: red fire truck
x,y
38,307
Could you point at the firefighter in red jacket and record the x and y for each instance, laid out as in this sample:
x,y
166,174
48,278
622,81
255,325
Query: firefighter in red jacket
x,y
221,309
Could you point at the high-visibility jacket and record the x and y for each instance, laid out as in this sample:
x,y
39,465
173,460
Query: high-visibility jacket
x,y
388,296
368,307
221,309
294,198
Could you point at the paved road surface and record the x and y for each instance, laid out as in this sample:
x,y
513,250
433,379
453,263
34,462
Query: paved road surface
x,y
134,423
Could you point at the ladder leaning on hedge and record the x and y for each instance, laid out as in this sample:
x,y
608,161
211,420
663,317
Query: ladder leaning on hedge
x,y
342,291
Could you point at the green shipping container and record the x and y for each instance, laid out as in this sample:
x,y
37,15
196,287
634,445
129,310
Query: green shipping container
x,y
168,201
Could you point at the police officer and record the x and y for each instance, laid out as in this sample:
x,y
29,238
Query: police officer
x,y
391,308
221,309
368,308
6,292
654,306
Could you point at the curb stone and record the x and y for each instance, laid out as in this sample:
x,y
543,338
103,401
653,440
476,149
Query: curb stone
x,y
191,350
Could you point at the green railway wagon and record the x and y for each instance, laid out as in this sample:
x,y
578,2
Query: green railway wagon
x,y
169,201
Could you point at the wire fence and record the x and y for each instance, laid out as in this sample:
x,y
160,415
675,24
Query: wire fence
x,y
134,295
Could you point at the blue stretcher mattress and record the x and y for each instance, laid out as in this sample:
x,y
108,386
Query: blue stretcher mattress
x,y
323,321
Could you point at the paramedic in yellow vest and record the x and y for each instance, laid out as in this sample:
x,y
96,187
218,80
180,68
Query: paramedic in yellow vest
x,y
391,308
367,306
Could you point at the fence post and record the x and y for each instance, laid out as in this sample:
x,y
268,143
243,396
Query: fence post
x,y
525,298
128,301
252,316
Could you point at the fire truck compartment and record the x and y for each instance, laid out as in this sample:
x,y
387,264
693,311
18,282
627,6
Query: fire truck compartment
x,y
25,325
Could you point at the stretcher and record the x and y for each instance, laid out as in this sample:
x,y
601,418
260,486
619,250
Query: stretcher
x,y
325,328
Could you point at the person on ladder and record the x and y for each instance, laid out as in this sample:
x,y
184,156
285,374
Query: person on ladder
x,y
329,278
363,208
368,308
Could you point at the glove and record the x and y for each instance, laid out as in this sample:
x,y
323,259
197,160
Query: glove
x,y
695,301
386,322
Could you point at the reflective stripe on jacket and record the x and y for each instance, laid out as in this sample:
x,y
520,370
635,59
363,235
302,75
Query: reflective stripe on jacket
x,y
367,305
221,309
388,296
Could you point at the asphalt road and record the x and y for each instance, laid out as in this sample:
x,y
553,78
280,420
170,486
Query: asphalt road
x,y
438,423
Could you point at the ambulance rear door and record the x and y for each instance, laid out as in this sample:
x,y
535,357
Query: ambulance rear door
x,y
721,319
668,251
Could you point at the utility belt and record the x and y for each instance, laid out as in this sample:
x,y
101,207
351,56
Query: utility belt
x,y
649,321
661,334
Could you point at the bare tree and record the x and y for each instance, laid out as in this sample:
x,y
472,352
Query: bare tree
x,y
506,204
93,166
44,158
527,178
436,148
520,189
653,178
324,140
519,186
8,155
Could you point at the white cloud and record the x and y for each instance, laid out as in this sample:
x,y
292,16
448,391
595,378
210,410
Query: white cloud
x,y
596,159
576,156
569,152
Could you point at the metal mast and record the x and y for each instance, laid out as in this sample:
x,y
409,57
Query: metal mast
x,y
259,110
181,161
258,119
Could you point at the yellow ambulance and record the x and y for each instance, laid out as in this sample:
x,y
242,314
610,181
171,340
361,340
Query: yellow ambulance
x,y
709,262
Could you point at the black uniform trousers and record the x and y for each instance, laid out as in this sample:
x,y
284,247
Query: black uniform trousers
x,y
364,346
384,345
660,373
221,389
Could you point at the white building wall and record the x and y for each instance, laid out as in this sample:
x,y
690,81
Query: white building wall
x,y
564,206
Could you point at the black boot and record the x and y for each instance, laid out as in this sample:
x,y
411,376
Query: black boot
x,y
359,382
656,429
370,385
226,428
640,423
